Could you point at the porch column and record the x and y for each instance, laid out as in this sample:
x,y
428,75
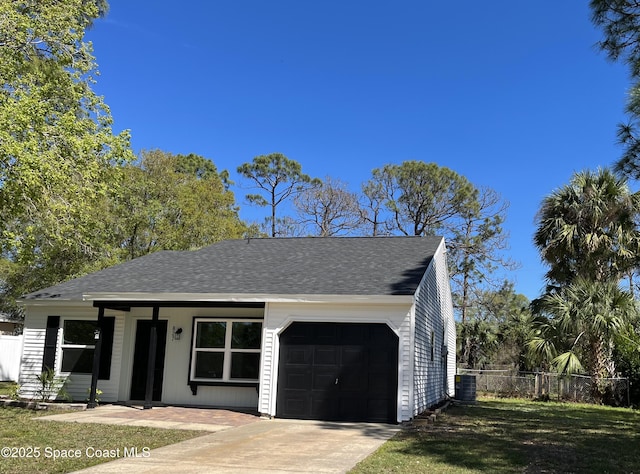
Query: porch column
x,y
96,359
151,364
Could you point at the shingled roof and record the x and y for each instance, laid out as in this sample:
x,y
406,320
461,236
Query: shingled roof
x,y
281,266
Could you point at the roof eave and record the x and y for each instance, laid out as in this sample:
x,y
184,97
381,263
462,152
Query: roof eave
x,y
249,298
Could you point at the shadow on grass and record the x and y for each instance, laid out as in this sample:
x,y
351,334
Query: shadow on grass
x,y
523,436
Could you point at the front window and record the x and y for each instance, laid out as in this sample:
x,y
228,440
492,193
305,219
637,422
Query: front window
x,y
226,350
78,345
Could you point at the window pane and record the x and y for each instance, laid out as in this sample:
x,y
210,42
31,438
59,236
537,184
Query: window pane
x,y
245,365
209,365
211,334
77,360
246,335
79,332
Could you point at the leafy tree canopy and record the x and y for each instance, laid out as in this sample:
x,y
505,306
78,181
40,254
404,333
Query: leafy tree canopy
x,y
588,228
424,198
620,24
59,159
175,202
584,319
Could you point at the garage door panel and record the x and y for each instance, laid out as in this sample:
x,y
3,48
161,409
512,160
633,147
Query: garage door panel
x,y
323,407
326,355
352,334
298,355
295,406
351,409
352,382
378,409
323,379
378,384
383,356
361,358
298,380
322,334
353,356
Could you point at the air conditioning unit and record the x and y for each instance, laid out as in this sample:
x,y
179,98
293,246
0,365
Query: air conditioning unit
x,y
465,386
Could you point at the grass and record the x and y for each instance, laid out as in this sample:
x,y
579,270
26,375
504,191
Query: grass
x,y
6,388
20,428
508,436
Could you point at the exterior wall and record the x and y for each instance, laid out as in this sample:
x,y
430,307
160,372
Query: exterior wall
x,y
118,387
32,351
76,385
175,389
435,343
278,316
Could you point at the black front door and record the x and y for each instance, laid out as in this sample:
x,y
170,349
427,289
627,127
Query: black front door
x,y
338,371
141,360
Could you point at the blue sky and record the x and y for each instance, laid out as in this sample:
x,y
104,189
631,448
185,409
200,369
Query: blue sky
x,y
512,95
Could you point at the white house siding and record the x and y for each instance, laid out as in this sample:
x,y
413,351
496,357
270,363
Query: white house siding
x,y
75,385
175,388
32,349
434,314
278,316
177,357
446,309
268,368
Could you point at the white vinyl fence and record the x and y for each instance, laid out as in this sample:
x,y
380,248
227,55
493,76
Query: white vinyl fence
x,y
10,355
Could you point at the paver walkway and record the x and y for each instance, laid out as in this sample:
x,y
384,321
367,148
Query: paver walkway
x,y
181,418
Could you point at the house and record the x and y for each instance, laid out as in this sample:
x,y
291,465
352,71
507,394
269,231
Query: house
x,y
341,328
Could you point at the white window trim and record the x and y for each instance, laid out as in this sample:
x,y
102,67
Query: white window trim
x,y
227,350
64,346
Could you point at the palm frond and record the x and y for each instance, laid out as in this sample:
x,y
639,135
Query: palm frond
x,y
567,363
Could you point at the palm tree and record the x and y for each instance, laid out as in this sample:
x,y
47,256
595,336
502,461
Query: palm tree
x,y
584,319
588,228
587,234
478,342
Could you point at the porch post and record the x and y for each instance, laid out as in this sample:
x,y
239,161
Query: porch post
x,y
151,364
96,359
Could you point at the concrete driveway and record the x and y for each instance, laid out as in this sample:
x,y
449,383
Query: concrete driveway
x,y
238,441
263,446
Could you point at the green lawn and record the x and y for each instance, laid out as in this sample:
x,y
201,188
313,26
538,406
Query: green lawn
x,y
495,435
22,433
507,435
6,388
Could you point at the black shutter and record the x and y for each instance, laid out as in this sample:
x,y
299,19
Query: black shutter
x,y
108,325
50,343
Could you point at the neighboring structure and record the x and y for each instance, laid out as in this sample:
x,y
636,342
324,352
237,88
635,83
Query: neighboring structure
x,y
357,329
9,326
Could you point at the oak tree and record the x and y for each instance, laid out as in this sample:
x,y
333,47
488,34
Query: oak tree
x,y
59,158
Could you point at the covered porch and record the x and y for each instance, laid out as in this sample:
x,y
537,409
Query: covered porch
x,y
171,345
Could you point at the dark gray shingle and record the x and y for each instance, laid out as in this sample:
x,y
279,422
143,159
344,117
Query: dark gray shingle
x,y
285,266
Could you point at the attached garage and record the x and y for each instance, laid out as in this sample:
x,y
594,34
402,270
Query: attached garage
x,y
338,372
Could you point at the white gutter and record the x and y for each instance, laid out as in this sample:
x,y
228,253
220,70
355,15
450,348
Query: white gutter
x,y
244,298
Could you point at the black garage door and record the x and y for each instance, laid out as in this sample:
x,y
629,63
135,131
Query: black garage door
x,y
338,372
